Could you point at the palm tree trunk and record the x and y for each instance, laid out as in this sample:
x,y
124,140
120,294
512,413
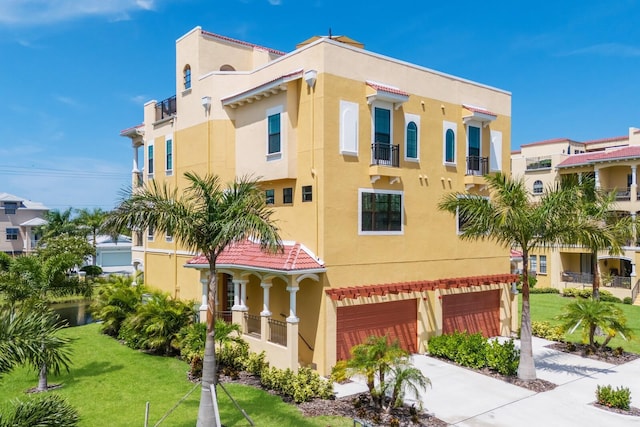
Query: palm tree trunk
x,y
595,293
42,378
206,410
526,367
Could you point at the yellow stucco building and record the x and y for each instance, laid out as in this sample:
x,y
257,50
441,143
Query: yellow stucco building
x,y
354,150
613,164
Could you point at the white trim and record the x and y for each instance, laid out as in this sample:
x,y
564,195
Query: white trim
x,y
378,233
408,118
349,129
168,139
146,159
384,106
445,127
495,151
477,125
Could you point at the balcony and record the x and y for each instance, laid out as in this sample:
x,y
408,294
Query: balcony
x,y
383,154
537,163
478,166
166,109
622,195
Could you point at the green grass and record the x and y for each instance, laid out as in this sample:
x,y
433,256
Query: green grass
x,y
545,307
109,384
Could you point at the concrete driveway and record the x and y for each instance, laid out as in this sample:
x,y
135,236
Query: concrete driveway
x,y
462,397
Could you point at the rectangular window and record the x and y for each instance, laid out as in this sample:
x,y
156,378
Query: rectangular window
x,y
12,233
151,231
274,133
543,264
382,126
380,212
150,160
168,237
533,263
287,195
270,196
307,193
10,208
169,155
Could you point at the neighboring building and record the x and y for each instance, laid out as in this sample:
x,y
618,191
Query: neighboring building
x,y
113,255
19,218
613,163
354,151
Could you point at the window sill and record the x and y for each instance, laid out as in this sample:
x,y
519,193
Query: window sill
x,y
274,156
186,92
411,159
450,164
169,173
381,233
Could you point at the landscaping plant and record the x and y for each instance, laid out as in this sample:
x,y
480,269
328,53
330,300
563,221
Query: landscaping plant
x,y
619,398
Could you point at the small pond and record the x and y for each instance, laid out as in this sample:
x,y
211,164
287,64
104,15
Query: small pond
x,y
75,312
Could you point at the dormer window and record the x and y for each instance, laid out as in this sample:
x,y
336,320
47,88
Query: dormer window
x,y
10,208
187,76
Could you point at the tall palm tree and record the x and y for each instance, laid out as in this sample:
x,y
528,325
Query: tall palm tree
x,y
205,218
601,229
510,217
589,315
58,222
91,221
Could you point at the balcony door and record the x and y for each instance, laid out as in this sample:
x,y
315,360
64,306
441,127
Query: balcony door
x,y
473,150
382,136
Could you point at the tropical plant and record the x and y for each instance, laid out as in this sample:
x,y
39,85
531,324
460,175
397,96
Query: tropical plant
x,y
42,411
156,323
206,218
59,222
77,248
91,222
600,227
591,315
114,302
512,218
405,378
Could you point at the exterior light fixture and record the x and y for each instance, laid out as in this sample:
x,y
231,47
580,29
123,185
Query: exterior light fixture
x,y
310,77
206,102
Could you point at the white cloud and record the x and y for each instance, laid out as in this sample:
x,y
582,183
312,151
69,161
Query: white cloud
x,y
606,49
31,12
67,101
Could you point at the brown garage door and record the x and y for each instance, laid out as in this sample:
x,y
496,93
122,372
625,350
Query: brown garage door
x,y
397,319
472,312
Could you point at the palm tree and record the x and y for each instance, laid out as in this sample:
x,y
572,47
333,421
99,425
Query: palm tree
x,y
227,333
513,219
42,411
405,377
592,314
600,228
116,301
204,218
92,221
58,222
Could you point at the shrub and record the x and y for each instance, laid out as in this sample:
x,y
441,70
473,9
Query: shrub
x,y
627,300
472,351
339,372
445,346
619,398
547,331
231,358
607,296
503,357
92,270
301,387
256,363
547,290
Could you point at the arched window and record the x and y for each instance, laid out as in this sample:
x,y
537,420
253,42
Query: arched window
x,y
412,140
537,187
187,76
450,146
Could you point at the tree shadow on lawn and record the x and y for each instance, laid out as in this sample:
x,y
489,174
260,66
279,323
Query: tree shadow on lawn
x,y
91,370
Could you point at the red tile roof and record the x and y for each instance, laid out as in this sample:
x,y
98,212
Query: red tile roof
x,y
293,75
385,88
611,139
550,141
515,253
240,42
479,110
129,130
337,294
295,257
601,156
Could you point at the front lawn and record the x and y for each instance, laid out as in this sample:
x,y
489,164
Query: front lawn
x,y
545,307
109,384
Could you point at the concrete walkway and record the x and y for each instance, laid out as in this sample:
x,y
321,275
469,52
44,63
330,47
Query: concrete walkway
x,y
462,397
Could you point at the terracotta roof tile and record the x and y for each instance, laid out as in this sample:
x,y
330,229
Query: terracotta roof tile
x,y
599,156
479,110
240,42
248,254
385,88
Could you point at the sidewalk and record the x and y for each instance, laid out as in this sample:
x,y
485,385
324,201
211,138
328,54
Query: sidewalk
x,y
462,397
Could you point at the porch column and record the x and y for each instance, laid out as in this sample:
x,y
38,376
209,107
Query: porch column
x,y
596,173
292,329
135,171
265,314
238,309
579,177
633,191
204,305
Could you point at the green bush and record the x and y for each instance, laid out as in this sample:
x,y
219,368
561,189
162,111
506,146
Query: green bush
x,y
339,372
619,398
503,357
547,331
472,352
92,270
575,293
256,363
547,290
446,345
231,358
607,296
627,300
301,387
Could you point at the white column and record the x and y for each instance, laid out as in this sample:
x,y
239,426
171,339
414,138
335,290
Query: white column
x,y
135,159
236,295
597,176
205,297
293,318
633,190
243,295
579,177
266,285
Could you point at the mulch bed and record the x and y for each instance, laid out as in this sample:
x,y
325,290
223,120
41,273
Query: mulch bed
x,y
633,411
606,354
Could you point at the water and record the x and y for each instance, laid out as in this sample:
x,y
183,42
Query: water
x,y
76,312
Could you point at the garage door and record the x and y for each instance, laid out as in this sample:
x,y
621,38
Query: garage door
x,y
472,312
397,319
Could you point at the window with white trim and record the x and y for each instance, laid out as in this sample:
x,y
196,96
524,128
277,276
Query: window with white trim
x,y
270,196
150,159
10,208
533,263
168,237
274,132
449,130
187,76
537,187
412,137
12,233
543,264
349,128
380,211
383,151
169,156
151,231
462,220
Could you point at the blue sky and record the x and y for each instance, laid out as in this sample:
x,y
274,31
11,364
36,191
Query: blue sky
x,y
74,73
